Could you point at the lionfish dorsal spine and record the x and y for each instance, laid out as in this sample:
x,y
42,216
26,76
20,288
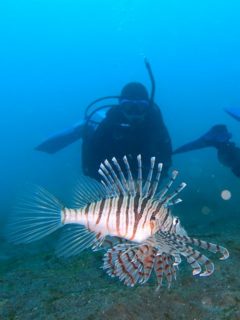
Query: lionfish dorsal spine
x,y
119,183
122,177
116,180
130,177
149,178
172,202
168,200
170,182
139,179
156,181
108,180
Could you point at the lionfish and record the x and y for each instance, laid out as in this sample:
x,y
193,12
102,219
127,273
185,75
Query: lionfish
x,y
128,218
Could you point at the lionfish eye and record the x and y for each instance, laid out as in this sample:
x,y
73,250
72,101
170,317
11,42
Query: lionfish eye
x,y
176,221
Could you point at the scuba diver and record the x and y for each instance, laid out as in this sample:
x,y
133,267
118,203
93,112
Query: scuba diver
x,y
218,137
134,125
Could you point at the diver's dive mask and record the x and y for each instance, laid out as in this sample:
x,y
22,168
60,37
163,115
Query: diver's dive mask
x,y
137,106
134,110
133,107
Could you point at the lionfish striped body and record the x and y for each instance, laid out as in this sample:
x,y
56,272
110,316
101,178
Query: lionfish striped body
x,y
129,218
129,210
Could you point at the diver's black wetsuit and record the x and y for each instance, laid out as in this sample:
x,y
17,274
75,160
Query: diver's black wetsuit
x,y
115,137
229,156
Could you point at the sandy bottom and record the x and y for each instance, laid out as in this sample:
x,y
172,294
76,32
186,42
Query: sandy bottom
x,y
35,284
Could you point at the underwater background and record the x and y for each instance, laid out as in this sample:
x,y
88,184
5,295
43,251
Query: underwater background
x,y
58,56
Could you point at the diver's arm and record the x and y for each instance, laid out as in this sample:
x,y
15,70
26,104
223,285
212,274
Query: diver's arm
x,y
229,156
62,139
218,137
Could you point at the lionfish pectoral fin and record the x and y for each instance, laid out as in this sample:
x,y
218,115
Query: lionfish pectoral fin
x,y
129,262
164,266
196,259
205,245
177,259
172,243
77,238
112,261
195,265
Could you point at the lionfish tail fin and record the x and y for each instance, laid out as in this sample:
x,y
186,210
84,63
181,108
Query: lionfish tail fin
x,y
37,215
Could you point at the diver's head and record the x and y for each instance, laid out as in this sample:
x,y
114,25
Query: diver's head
x,y
134,102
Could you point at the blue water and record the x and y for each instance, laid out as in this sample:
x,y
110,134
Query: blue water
x,y
58,56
